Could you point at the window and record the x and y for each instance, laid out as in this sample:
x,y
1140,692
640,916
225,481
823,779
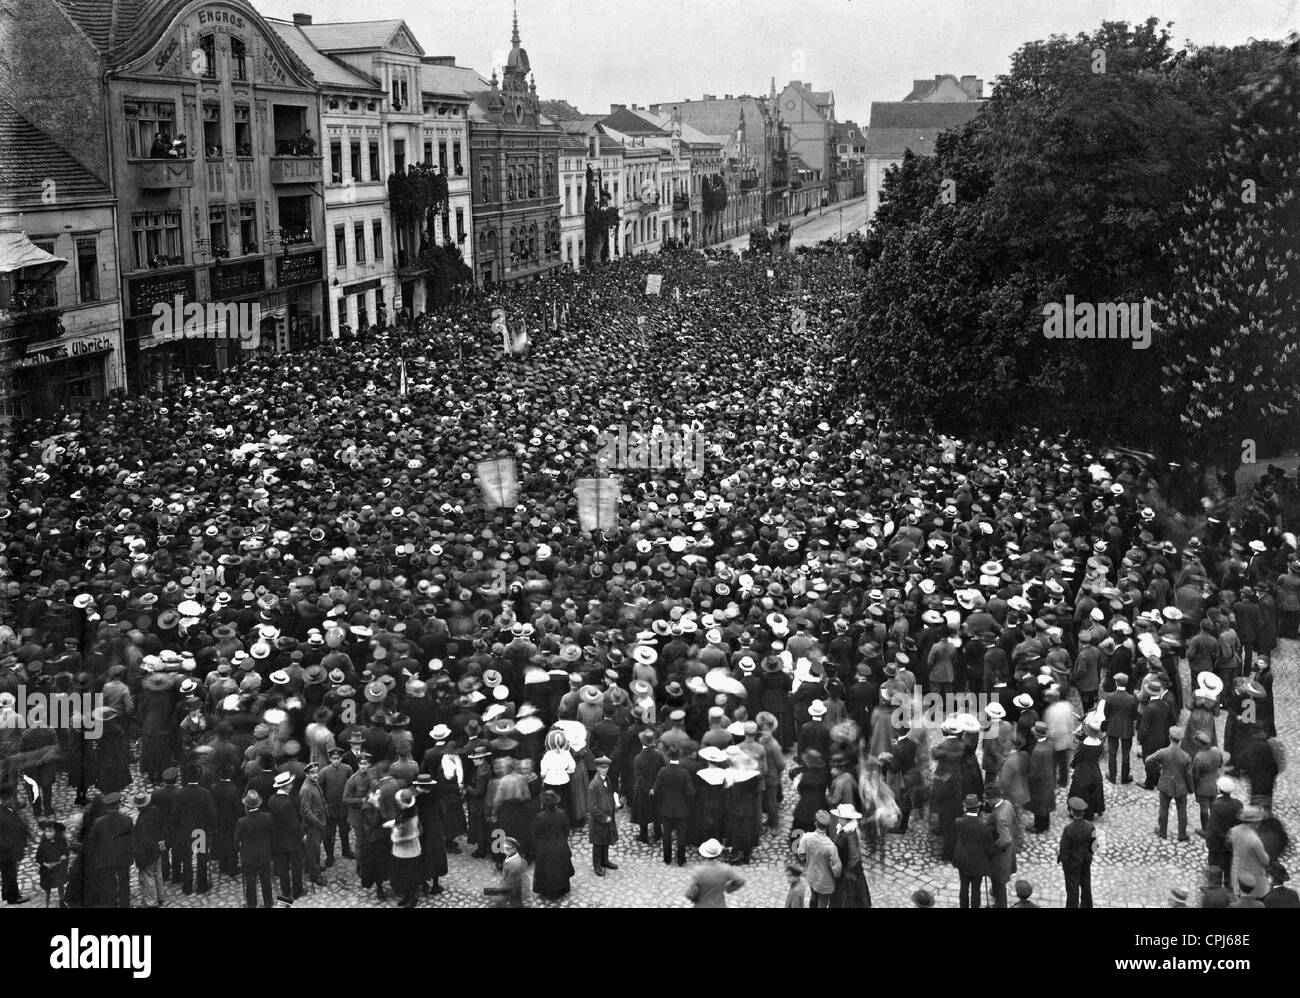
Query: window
x,y
343,311
44,292
374,161
460,225
295,219
340,246
485,183
354,152
399,155
292,136
359,240
456,161
379,239
442,156
208,46
87,269
156,239
212,131
247,228
336,161
150,128
363,317
238,60
568,191
219,246
405,96
243,131
428,153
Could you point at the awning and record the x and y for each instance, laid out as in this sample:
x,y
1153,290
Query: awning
x,y
279,312
17,252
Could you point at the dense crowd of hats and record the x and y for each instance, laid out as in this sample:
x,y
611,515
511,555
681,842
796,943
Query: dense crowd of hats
x,y
294,535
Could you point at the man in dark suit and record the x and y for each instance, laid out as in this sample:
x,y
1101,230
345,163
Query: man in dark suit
x,y
1250,623
1075,855
1154,721
1175,782
195,823
13,845
286,840
673,793
229,809
601,826
253,836
972,852
1120,723
1225,811
110,851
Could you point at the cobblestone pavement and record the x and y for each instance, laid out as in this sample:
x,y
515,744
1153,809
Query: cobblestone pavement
x,y
1136,870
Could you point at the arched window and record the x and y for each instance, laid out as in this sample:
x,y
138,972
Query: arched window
x,y
550,180
532,181
510,184
486,182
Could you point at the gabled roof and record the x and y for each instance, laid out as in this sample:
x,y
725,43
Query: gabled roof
x,y
329,73
451,81
664,124
897,126
29,157
123,30
354,36
108,23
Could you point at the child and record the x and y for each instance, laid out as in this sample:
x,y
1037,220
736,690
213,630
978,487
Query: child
x,y
799,890
52,858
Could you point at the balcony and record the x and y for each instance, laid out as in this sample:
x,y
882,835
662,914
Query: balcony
x,y
161,174
297,169
748,183
682,202
31,325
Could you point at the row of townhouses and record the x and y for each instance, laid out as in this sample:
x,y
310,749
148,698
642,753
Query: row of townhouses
x,y
180,152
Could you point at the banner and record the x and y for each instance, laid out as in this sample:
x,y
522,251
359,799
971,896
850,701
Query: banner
x,y
499,481
499,328
798,321
653,283
401,381
598,502
677,295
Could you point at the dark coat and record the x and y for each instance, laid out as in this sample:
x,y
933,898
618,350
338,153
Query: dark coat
x,y
554,866
973,853
1153,728
287,836
602,829
254,833
1121,714
13,835
111,842
674,790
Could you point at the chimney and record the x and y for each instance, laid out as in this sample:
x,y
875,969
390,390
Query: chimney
x,y
301,19
654,108
615,108
807,87
710,97
727,97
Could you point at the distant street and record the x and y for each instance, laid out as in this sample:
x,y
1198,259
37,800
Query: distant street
x,y
818,226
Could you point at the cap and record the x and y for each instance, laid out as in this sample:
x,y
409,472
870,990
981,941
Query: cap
x,y
1077,804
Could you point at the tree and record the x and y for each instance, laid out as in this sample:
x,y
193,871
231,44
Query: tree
x,y
1231,356
1068,182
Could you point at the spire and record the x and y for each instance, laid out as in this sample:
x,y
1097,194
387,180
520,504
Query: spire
x,y
771,94
514,36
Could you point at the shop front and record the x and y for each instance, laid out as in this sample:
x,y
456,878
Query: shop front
x,y
292,315
68,374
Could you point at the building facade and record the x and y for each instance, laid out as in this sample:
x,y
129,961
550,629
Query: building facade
x,y
360,261
913,124
60,316
235,212
514,162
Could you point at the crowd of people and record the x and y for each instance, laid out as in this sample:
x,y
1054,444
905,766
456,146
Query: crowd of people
x,y
302,635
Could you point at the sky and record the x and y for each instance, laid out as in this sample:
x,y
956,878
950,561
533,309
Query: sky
x,y
594,54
